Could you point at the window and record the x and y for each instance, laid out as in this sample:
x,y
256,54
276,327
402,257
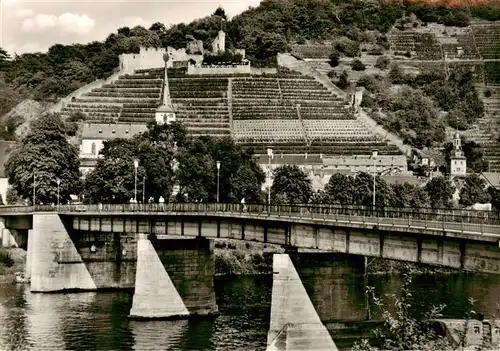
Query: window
x,y
93,149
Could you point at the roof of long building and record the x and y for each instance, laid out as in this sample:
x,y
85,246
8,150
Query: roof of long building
x,y
111,131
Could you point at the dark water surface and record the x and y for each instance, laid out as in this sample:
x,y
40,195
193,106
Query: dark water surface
x,y
98,321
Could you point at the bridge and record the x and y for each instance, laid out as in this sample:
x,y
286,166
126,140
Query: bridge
x,y
165,253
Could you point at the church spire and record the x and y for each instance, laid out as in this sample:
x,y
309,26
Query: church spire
x,y
165,113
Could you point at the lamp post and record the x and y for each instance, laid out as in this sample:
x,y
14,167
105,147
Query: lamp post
x,y
270,154
374,156
58,184
144,189
34,188
136,165
218,173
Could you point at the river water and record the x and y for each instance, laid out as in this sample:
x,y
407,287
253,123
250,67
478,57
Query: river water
x,y
98,321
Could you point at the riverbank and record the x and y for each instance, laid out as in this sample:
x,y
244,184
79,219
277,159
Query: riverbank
x,y
12,264
236,257
382,266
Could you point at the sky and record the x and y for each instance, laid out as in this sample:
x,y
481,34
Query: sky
x,y
35,25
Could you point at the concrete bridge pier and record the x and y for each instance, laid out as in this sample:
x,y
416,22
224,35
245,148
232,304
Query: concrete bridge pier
x,y
11,237
309,291
174,278
53,261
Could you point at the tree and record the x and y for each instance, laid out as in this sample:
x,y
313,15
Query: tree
x,y
340,189
474,191
220,12
402,195
13,197
363,189
4,59
45,154
196,162
343,82
357,65
495,197
334,58
157,149
347,46
383,63
440,192
290,186
419,198
113,178
239,176
396,74
157,27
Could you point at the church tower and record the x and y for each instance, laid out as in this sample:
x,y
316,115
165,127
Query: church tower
x,y
219,43
458,166
165,113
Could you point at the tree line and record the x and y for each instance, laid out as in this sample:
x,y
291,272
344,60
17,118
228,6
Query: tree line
x,y
262,31
178,167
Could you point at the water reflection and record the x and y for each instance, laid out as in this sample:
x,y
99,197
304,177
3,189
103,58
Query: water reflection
x,y
13,317
158,335
89,321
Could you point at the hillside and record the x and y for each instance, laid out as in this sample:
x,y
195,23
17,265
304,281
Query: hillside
x,y
348,29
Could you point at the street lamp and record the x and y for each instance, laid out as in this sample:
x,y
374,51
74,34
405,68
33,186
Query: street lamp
x,y
58,184
34,188
270,154
374,156
144,189
136,165
218,173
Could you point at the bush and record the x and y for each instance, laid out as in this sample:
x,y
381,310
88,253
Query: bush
x,y
487,93
332,74
376,51
357,65
347,46
222,57
457,119
369,82
223,266
396,75
343,81
383,62
77,116
368,101
334,58
5,258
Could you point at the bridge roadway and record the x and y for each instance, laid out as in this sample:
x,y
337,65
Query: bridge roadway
x,y
419,221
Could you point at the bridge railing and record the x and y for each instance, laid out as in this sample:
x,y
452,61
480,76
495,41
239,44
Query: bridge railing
x,y
456,220
440,219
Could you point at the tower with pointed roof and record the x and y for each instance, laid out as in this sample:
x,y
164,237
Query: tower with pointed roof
x,y
458,162
165,113
219,43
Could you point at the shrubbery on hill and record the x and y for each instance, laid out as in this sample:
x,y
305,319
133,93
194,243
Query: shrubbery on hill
x,y
223,57
263,31
413,112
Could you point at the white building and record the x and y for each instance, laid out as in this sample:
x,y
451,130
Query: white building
x,y
458,162
219,43
94,135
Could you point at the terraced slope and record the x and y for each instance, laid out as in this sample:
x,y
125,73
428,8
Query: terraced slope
x,y
287,111
130,99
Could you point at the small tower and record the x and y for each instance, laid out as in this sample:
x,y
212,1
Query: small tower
x,y
219,43
165,113
458,162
